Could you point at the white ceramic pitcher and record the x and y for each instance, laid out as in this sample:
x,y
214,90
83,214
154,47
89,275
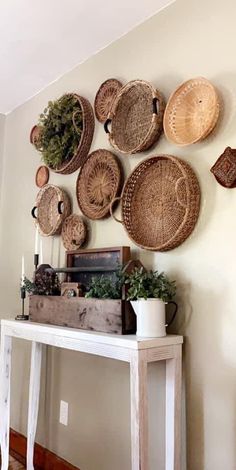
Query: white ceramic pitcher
x,y
151,317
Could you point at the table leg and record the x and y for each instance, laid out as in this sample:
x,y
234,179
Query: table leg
x,y
173,410
5,382
139,410
34,391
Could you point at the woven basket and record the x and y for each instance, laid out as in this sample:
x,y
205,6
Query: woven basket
x,y
191,112
98,183
74,232
42,176
85,140
136,117
224,168
53,206
105,97
160,203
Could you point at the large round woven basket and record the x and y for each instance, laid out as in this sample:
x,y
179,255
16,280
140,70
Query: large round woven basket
x,y
160,203
135,121
98,183
191,112
52,207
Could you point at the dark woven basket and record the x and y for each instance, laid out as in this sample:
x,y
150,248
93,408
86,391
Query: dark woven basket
x,y
135,122
224,168
160,203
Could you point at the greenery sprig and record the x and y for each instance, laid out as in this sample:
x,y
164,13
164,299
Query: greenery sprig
x,y
149,284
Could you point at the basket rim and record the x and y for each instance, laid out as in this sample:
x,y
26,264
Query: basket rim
x,y
181,164
124,89
169,104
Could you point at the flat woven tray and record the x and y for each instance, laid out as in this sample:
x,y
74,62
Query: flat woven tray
x,y
42,176
98,183
191,112
160,203
105,97
74,232
52,206
135,121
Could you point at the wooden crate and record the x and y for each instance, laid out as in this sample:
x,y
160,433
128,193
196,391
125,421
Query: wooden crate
x,y
107,316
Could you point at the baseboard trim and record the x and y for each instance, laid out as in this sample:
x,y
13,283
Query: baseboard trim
x,y
44,459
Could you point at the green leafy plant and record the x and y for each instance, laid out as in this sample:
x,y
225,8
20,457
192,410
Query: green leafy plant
x,y
149,284
106,287
61,126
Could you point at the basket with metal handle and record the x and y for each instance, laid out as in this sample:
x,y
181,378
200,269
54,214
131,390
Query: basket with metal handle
x,y
135,121
51,209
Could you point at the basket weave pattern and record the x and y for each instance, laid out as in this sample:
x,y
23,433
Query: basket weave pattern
x,y
135,126
105,97
160,203
98,183
73,232
53,206
85,141
191,112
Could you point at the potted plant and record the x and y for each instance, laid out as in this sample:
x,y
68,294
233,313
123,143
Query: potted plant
x,y
149,292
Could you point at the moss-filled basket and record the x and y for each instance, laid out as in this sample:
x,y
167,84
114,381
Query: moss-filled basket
x,y
66,133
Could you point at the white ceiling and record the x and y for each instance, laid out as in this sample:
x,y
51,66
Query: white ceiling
x,y
42,40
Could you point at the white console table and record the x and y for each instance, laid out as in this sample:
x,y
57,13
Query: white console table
x,y
137,351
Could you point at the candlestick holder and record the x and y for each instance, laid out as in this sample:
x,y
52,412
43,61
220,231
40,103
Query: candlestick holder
x,y
22,316
36,261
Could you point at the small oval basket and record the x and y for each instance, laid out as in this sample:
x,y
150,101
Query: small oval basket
x,y
52,206
74,232
160,203
135,121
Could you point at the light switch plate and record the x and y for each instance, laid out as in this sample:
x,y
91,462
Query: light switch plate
x,y
64,413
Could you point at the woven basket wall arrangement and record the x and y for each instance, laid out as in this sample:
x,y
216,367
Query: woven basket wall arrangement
x,y
135,121
224,168
74,232
51,209
192,112
160,203
105,97
81,122
99,181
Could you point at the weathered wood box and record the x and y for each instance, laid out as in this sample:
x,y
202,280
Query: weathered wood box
x,y
107,316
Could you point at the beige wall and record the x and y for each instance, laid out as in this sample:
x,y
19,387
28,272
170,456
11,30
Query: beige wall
x,y
188,39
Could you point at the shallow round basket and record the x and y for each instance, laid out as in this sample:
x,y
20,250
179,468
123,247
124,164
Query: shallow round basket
x,y
42,176
34,135
74,232
136,118
160,203
51,209
105,97
191,112
98,183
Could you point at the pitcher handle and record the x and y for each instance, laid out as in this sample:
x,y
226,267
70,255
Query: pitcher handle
x,y
174,313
